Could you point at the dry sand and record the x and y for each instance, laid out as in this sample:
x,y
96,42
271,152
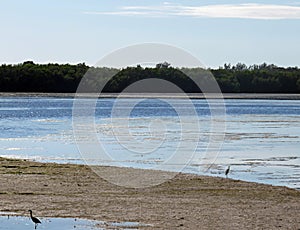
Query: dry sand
x,y
185,202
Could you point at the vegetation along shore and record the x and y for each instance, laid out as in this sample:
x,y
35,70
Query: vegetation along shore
x,y
65,78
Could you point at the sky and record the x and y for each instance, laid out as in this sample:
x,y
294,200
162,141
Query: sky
x,y
215,31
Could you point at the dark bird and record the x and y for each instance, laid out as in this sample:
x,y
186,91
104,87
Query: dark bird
x,y
227,171
35,220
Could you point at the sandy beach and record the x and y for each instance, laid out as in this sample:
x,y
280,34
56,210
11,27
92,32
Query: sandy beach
x,y
187,201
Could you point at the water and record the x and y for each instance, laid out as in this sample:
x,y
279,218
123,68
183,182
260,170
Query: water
x,y
25,223
261,138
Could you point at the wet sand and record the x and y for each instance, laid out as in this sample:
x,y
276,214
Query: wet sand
x,y
187,201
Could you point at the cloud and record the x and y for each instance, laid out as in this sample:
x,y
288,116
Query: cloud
x,y
246,11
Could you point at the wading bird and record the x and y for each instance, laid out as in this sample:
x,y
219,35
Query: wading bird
x,y
35,220
227,171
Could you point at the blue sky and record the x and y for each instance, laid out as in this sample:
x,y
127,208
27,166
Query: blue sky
x,y
215,31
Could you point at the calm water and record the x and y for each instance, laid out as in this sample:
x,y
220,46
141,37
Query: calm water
x,y
25,223
261,142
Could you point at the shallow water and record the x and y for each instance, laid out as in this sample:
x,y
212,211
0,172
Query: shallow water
x,y
24,223
261,138
8,222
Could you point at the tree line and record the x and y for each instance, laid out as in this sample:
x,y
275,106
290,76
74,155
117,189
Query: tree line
x,y
65,78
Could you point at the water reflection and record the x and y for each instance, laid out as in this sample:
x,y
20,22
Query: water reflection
x,y
9,222
262,141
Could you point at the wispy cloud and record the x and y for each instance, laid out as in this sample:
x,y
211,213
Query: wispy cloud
x,y
247,11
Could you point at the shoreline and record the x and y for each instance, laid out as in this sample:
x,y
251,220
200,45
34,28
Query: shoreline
x,y
187,201
137,168
257,96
